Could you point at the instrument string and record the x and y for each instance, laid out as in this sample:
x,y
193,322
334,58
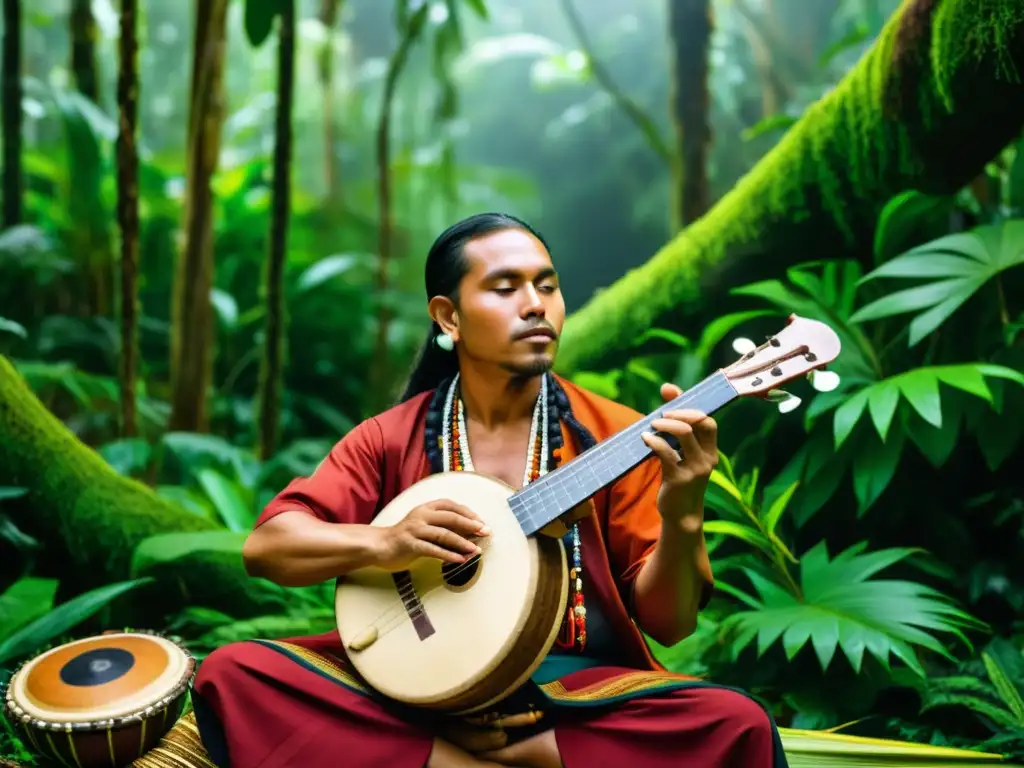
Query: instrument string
x,y
559,478
396,613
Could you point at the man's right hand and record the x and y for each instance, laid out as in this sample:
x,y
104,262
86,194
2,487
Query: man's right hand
x,y
441,529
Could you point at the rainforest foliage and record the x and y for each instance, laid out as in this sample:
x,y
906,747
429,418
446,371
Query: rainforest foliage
x,y
215,217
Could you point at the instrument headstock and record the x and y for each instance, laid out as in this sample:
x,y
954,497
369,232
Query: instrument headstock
x,y
802,348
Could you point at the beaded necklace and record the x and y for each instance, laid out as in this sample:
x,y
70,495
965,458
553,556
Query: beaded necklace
x,y
456,458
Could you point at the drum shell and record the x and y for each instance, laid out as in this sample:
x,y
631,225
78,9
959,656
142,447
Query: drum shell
x,y
108,737
94,745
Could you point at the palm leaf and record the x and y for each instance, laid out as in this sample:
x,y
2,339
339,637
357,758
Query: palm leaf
x,y
842,608
816,749
951,269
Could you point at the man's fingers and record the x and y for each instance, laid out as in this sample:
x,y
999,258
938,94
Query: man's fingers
x,y
454,507
449,540
426,549
661,449
453,521
683,432
670,392
447,505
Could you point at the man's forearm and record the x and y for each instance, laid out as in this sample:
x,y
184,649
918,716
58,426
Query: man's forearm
x,y
297,550
667,591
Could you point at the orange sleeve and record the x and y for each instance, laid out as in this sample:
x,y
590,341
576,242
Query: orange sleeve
x,y
345,488
634,525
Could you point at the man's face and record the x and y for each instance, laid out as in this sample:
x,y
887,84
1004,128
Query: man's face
x,y
510,310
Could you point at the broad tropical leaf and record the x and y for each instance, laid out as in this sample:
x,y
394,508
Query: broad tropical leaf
x,y
842,608
951,269
64,617
920,388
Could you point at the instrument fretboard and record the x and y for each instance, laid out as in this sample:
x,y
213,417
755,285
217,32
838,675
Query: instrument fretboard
x,y
557,492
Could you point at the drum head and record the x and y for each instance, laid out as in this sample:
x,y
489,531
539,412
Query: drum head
x,y
101,678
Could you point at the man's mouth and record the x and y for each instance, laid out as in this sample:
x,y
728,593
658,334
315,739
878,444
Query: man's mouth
x,y
537,334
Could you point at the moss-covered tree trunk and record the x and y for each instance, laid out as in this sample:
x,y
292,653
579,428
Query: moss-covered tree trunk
x,y
690,27
272,363
192,313
10,113
91,519
936,97
128,206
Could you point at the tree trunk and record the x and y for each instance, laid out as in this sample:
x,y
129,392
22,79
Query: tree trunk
x,y
936,78
83,50
10,113
271,369
90,237
192,316
128,207
329,11
91,519
690,27
381,366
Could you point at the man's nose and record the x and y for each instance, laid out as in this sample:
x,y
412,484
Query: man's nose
x,y
533,306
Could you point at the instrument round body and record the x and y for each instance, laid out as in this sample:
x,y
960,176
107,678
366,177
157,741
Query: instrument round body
x,y
100,701
456,637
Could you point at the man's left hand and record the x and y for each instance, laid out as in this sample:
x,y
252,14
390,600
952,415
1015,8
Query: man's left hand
x,y
685,472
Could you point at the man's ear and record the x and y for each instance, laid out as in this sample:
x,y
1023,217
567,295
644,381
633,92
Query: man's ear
x,y
442,311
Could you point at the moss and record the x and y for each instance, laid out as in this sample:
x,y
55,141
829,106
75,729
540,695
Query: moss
x,y
819,191
92,518
967,34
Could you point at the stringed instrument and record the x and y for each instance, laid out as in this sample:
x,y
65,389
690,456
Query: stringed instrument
x,y
459,638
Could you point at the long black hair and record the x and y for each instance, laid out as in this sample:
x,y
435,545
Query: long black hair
x,y
446,266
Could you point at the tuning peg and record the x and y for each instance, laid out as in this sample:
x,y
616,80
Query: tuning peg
x,y
786,401
823,381
743,346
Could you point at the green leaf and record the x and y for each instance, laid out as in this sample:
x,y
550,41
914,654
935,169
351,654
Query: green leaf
x,y
936,443
330,267
739,531
882,401
847,415
165,548
259,20
9,326
672,337
720,327
778,507
6,492
873,469
921,388
952,268
905,216
1007,690
127,455
61,619
844,609
24,601
228,499
479,7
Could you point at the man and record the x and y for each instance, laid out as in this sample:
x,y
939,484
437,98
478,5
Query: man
x,y
478,398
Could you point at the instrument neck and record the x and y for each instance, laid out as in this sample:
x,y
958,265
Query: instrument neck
x,y
551,496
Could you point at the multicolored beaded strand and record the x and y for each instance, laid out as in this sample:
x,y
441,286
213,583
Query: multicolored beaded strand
x,y
456,458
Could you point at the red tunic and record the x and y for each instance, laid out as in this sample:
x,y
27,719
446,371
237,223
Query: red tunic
x,y
298,703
